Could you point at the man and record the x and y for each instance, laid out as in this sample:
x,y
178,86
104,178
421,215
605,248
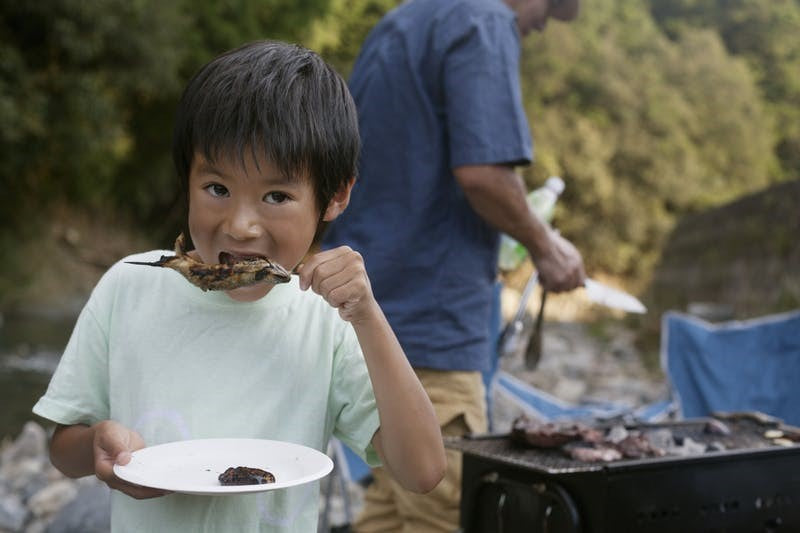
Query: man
x,y
443,126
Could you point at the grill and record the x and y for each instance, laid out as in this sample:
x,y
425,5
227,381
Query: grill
x,y
751,486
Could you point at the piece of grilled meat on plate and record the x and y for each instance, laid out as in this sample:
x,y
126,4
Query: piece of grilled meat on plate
x,y
244,475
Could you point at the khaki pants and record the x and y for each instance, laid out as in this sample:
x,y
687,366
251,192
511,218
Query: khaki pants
x,y
460,404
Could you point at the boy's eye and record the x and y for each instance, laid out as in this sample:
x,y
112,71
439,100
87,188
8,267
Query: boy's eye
x,y
215,189
275,197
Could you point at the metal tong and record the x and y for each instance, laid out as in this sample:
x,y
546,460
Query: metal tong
x,y
515,338
533,352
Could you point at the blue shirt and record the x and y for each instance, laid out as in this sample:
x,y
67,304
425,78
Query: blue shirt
x,y
437,86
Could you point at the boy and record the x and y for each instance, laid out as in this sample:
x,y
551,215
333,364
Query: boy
x,y
265,143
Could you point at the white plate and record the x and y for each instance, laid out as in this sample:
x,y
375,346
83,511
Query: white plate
x,y
193,466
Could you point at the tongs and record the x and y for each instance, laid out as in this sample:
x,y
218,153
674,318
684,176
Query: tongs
x,y
513,339
533,352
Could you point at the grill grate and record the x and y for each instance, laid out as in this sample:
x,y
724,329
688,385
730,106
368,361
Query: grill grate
x,y
746,435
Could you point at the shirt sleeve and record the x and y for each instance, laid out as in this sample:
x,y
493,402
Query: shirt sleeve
x,y
352,399
486,120
78,390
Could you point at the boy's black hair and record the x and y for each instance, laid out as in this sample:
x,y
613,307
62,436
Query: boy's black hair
x,y
278,99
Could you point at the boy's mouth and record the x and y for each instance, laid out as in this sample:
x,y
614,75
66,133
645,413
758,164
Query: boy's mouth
x,y
228,258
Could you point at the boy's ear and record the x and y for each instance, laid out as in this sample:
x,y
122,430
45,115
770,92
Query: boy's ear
x,y
339,202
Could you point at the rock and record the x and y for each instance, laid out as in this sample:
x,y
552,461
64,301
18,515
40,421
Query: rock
x,y
34,485
13,513
38,525
52,498
571,390
89,512
580,368
21,473
31,444
35,497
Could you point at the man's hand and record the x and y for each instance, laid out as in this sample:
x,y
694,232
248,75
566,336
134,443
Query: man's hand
x,y
561,267
339,276
113,444
497,194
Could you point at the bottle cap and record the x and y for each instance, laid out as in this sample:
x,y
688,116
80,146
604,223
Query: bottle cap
x,y
555,184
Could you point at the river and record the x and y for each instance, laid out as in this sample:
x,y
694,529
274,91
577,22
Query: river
x,y
30,348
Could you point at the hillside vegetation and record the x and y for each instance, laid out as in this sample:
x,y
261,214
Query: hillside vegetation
x,y
744,255
650,111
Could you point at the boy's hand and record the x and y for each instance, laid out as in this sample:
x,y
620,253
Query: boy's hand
x,y
113,444
339,276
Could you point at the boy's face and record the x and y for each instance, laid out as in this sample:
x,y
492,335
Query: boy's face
x,y
240,211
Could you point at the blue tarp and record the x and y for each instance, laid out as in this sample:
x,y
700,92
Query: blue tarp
x,y
543,406
751,365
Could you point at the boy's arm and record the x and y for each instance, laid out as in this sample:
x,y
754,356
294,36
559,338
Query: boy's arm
x,y
71,450
409,441
80,450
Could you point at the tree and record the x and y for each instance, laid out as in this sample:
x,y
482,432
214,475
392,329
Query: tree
x,y
338,36
69,73
763,33
641,127
87,91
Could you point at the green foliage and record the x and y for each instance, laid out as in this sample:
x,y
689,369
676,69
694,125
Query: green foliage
x,y
338,36
220,25
765,34
70,74
88,88
649,110
642,127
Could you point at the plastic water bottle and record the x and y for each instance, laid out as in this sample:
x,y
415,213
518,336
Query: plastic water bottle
x,y
541,201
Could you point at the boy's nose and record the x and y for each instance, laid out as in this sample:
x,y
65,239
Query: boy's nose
x,y
243,223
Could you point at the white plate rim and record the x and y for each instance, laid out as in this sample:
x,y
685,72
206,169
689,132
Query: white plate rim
x,y
129,472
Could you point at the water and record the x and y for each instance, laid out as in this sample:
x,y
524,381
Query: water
x,y
30,348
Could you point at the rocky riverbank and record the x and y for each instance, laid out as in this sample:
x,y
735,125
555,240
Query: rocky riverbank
x,y
37,498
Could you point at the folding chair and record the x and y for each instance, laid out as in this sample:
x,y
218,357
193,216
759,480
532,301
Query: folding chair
x,y
751,365
348,467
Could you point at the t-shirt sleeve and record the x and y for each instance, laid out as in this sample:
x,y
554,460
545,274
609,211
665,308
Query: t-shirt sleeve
x,y
78,390
352,399
487,123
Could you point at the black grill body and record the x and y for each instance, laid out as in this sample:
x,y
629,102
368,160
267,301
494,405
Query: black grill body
x,y
752,486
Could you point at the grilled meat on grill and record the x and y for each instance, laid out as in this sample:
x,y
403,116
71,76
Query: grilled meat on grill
x,y
243,475
592,454
636,446
551,434
716,427
221,276
582,442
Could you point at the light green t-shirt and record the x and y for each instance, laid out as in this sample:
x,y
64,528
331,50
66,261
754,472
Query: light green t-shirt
x,y
161,356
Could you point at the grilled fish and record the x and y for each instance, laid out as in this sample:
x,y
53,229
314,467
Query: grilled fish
x,y
221,276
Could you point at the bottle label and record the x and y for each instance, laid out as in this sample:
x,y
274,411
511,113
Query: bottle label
x,y
541,201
